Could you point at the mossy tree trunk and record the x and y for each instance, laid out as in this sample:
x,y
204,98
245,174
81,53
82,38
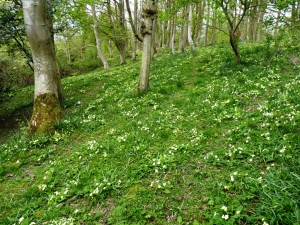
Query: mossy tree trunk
x,y
46,109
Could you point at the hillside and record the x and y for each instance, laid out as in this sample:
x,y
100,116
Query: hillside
x,y
210,143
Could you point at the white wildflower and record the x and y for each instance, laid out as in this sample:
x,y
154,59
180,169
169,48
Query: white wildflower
x,y
232,178
224,208
225,217
21,219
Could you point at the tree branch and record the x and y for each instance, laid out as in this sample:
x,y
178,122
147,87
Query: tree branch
x,y
131,22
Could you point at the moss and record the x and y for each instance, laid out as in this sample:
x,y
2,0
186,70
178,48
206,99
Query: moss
x,y
46,111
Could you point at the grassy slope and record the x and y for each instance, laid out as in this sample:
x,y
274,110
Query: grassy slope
x,y
202,144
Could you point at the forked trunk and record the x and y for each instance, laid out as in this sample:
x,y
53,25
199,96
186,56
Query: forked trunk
x,y
121,46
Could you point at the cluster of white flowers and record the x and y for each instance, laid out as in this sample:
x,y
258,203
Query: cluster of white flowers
x,y
105,185
225,216
158,184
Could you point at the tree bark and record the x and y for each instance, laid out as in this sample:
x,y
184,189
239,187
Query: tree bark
x,y
234,22
262,11
189,28
207,24
233,42
154,36
135,22
49,21
46,109
110,49
149,14
184,31
119,34
213,32
121,46
98,40
172,35
253,19
199,27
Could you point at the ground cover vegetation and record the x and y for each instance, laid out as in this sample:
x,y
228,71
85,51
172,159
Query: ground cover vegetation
x,y
206,145
169,112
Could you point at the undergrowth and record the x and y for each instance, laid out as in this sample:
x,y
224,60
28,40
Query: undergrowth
x,y
210,143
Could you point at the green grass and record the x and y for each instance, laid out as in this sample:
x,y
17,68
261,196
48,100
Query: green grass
x,y
208,144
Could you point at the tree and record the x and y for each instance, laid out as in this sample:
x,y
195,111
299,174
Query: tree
x,y
12,32
235,12
46,109
184,30
98,40
117,27
189,29
149,14
199,21
133,24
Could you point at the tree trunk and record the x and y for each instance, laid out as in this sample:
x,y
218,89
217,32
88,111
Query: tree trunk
x,y
262,11
189,28
121,46
184,31
164,33
119,34
46,109
135,21
172,35
110,49
253,19
98,40
199,27
149,14
213,32
207,24
234,46
154,36
169,41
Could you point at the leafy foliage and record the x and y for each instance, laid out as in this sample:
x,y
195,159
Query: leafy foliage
x,y
12,31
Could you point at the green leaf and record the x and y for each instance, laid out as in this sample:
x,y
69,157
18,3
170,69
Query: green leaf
x,y
179,219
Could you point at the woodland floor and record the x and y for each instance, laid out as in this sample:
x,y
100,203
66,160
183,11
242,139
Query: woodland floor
x,y
211,143
10,123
